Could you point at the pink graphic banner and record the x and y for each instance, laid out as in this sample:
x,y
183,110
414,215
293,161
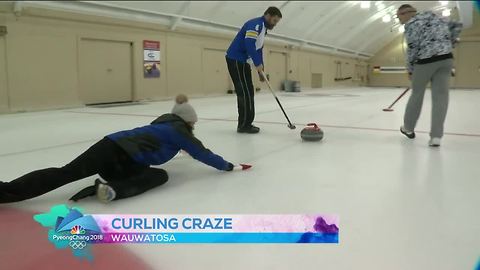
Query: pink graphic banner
x,y
217,223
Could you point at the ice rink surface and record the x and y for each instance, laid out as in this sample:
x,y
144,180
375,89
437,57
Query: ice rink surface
x,y
402,205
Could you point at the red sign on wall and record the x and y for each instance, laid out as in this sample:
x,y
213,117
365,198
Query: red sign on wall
x,y
151,45
151,59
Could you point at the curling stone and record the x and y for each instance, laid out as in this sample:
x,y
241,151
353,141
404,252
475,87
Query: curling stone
x,y
312,132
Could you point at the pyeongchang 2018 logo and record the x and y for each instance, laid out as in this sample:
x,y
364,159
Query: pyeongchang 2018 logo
x,y
69,228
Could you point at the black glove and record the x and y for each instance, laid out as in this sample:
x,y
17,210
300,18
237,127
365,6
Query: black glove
x,y
230,167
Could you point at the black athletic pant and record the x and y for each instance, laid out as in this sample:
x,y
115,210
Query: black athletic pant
x,y
241,75
105,158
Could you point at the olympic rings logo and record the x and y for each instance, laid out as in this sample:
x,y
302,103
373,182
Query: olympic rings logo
x,y
77,244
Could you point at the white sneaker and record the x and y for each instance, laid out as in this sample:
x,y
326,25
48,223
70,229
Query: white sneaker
x,y
105,193
434,142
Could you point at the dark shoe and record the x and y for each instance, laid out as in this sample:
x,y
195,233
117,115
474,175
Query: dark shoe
x,y
410,135
6,197
250,130
88,191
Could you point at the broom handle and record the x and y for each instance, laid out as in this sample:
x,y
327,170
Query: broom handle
x,y
396,100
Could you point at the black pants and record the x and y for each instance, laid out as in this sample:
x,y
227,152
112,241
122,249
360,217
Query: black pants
x,y
105,158
241,75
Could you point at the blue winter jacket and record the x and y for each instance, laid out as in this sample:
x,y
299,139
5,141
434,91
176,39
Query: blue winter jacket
x,y
248,43
160,141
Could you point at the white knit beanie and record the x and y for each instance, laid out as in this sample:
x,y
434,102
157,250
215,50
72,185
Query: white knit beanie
x,y
183,109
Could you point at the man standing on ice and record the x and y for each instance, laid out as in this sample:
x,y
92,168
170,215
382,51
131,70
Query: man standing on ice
x,y
430,40
247,46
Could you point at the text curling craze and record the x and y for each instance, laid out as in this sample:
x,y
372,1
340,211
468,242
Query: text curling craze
x,y
188,223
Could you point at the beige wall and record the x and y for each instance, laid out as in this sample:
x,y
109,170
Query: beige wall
x,y
304,63
41,67
6,6
184,58
43,61
3,69
3,78
473,31
392,55
40,59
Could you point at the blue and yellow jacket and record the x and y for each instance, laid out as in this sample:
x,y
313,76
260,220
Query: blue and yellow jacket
x,y
248,43
159,142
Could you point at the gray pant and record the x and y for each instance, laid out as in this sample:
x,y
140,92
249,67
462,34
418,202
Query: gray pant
x,y
438,73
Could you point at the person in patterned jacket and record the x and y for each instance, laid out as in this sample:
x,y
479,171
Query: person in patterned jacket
x,y
430,40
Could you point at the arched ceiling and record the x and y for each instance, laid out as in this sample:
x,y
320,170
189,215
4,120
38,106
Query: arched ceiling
x,y
339,26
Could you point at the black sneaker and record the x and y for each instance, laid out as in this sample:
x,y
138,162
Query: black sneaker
x,y
88,191
6,197
410,135
250,130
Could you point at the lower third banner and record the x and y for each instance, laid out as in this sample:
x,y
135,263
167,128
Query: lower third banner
x,y
69,227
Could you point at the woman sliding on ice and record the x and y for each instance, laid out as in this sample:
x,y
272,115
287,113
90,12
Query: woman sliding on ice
x,y
123,160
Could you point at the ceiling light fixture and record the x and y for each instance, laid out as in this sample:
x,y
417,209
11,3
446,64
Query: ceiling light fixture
x,y
365,4
380,6
386,18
